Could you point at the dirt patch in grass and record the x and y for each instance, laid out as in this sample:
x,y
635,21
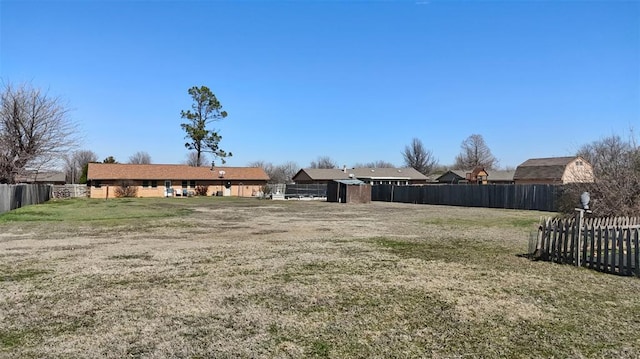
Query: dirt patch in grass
x,y
259,279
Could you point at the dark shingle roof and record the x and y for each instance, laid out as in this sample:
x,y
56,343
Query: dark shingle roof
x,y
320,174
323,174
41,177
543,168
500,175
387,173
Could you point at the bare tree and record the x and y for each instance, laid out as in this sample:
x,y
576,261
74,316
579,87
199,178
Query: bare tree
x,y
266,166
285,172
140,158
35,130
376,164
417,156
277,173
616,168
609,155
323,162
194,161
75,164
475,153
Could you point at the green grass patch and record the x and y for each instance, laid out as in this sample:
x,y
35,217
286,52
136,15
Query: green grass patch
x,y
529,221
142,256
10,339
446,249
7,275
105,211
320,349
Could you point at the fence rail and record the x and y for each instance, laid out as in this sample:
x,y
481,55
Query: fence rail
x,y
305,190
16,196
609,245
511,196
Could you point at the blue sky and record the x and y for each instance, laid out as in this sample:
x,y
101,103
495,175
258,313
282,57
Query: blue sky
x,y
354,80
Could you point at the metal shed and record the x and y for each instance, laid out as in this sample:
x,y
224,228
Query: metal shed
x,y
348,191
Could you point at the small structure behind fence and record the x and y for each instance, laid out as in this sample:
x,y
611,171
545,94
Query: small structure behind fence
x,y
608,245
19,195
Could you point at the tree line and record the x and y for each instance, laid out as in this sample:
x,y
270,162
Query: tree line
x,y
37,133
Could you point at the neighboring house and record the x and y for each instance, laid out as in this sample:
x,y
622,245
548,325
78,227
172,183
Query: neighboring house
x,y
373,176
453,177
477,176
155,180
554,170
480,175
44,177
319,175
500,177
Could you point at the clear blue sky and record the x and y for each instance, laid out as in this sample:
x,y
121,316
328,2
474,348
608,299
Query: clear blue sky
x,y
355,80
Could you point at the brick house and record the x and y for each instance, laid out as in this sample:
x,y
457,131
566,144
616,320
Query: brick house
x,y
156,180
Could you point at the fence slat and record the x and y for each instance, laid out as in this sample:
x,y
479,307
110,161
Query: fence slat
x,y
591,233
628,266
620,243
606,250
636,246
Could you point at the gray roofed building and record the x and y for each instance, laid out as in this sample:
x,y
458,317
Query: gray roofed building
x,y
397,176
460,176
319,175
45,177
453,177
501,177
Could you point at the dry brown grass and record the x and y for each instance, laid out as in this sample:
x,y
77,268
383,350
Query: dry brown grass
x,y
263,279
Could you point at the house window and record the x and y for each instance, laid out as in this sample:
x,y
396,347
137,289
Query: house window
x,y
192,184
148,183
97,184
184,184
578,163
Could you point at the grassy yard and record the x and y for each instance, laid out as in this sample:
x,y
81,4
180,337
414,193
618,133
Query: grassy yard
x,y
248,278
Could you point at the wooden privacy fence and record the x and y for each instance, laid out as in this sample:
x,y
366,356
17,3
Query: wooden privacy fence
x,y
608,245
541,197
19,195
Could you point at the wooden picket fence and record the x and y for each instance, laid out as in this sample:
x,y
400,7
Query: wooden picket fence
x,y
608,245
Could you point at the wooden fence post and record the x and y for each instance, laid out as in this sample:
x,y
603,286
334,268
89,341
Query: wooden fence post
x,y
579,238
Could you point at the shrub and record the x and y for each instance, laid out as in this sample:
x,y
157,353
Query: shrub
x,y
126,189
616,190
201,190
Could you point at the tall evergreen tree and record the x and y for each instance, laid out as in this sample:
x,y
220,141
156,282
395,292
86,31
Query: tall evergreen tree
x,y
205,109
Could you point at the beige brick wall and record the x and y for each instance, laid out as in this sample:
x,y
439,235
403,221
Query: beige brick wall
x,y
238,189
